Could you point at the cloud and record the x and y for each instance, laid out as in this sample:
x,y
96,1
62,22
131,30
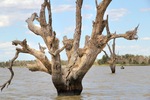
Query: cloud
x,y
5,45
20,4
87,16
63,8
145,38
130,49
87,7
133,49
6,50
116,14
15,10
69,30
4,20
19,10
145,10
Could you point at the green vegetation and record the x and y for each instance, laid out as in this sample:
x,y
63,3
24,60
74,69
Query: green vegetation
x,y
22,63
17,63
127,59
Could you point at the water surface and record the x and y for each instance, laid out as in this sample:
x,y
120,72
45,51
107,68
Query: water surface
x,y
131,83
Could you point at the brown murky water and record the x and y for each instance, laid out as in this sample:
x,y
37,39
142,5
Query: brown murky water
x,y
131,83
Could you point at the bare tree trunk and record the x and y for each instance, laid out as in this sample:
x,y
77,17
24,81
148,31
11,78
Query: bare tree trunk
x,y
112,58
68,79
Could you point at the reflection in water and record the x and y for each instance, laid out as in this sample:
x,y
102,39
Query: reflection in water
x,y
132,83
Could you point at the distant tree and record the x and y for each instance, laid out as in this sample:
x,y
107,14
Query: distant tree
x,y
130,61
103,60
149,61
112,58
135,62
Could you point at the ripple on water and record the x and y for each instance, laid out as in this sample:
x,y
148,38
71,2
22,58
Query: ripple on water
x,y
132,83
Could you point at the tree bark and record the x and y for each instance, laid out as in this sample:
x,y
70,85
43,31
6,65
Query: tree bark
x,y
68,79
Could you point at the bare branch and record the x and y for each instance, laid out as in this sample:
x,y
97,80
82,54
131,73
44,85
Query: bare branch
x,y
37,66
105,53
113,47
109,49
50,17
96,3
35,29
37,54
42,14
129,35
107,27
57,51
87,39
77,33
99,24
68,46
11,71
68,43
42,48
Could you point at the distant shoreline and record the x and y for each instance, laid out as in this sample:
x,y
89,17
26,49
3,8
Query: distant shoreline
x,y
95,65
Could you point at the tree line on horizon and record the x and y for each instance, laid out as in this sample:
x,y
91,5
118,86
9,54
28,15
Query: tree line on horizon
x,y
23,63
127,59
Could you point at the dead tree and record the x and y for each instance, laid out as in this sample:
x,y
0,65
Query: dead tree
x,y
112,58
68,79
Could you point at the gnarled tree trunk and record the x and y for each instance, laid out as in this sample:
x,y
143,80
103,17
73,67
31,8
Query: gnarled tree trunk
x,y
68,79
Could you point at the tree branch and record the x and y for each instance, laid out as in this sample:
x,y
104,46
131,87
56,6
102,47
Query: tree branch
x,y
109,49
96,3
113,58
113,47
87,39
129,35
105,53
57,51
37,54
99,23
42,14
42,48
68,46
37,66
107,27
31,26
77,33
50,17
11,71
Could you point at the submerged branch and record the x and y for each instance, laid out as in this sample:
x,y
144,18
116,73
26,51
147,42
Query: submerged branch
x,y
11,71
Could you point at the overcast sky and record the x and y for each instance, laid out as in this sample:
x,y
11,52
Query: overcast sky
x,y
124,15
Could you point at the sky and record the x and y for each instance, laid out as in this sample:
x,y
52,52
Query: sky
x,y
124,15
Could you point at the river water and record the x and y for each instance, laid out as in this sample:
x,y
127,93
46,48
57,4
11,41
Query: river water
x,y
131,83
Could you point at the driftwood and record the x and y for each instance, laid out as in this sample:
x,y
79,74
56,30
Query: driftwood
x,y
68,79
